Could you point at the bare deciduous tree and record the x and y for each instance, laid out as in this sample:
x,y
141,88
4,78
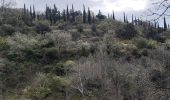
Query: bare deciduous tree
x,y
160,8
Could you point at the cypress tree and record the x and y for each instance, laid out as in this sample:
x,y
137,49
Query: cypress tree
x,y
84,14
50,15
108,16
31,12
127,20
89,16
73,14
46,12
68,15
24,9
132,19
64,15
59,15
165,25
135,21
124,17
113,15
34,15
93,19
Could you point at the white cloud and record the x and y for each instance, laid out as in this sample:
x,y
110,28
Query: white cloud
x,y
125,5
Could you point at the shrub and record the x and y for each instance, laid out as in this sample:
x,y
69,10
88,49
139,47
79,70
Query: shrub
x,y
128,31
12,21
50,86
7,29
167,43
3,43
42,27
80,28
93,28
75,36
144,43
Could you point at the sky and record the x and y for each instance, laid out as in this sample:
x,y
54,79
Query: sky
x,y
136,7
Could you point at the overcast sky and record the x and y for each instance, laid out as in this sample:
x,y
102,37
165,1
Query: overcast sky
x,y
136,7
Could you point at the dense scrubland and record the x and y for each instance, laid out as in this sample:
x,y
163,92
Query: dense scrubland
x,y
74,55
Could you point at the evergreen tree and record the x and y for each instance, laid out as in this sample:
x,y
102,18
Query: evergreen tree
x,y
93,19
113,15
24,9
68,15
59,15
124,17
73,14
127,20
135,21
165,25
31,15
132,19
34,15
108,16
50,15
89,16
64,15
84,14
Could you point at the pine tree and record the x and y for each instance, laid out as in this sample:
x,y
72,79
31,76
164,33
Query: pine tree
x,y
113,15
84,14
89,16
73,14
165,25
68,15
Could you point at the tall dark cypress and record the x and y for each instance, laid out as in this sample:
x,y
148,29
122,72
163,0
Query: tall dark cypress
x,y
124,17
59,15
113,15
165,25
46,12
64,15
31,12
73,14
34,15
89,16
67,13
132,19
24,9
50,15
108,16
127,20
135,21
93,19
84,14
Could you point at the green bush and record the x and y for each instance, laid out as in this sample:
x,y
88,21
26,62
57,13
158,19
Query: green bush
x,y
144,43
3,43
93,28
76,36
12,21
6,29
42,27
80,28
51,86
128,31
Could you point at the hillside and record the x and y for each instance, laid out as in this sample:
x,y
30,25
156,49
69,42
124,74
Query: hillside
x,y
82,57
